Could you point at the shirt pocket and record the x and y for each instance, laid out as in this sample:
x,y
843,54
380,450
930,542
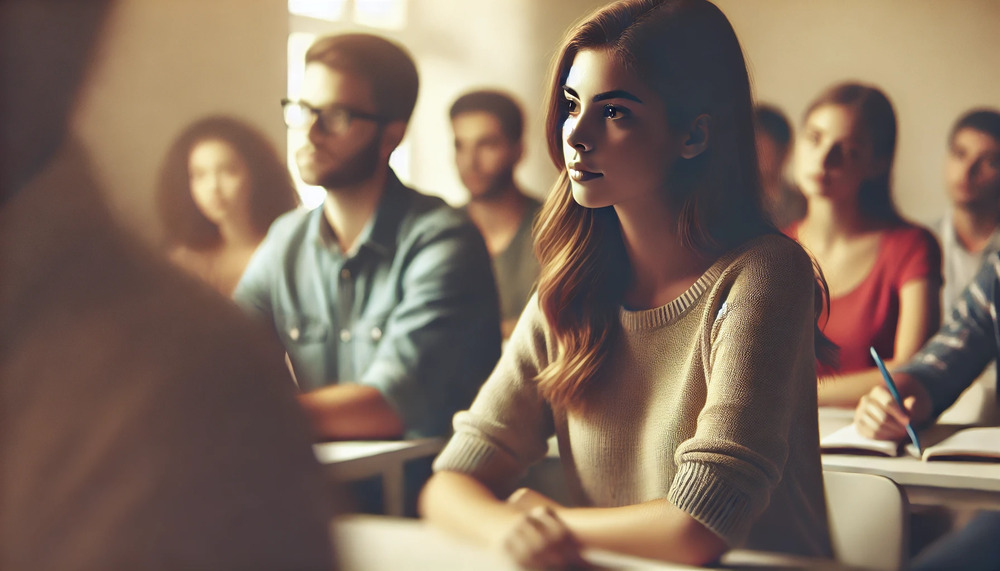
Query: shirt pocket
x,y
368,334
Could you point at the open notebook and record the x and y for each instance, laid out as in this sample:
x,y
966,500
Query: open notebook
x,y
940,443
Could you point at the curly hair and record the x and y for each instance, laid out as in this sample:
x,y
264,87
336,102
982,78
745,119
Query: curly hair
x,y
271,189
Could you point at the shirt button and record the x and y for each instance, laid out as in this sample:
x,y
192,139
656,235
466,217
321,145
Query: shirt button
x,y
345,335
294,333
376,333
345,274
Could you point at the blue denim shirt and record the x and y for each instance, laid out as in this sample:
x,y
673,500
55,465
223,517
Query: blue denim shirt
x,y
412,312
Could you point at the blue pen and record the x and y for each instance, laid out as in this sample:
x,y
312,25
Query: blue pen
x,y
895,395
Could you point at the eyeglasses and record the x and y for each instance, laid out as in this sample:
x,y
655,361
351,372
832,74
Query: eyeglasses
x,y
334,120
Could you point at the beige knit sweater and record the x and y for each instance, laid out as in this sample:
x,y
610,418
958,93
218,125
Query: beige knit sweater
x,y
708,401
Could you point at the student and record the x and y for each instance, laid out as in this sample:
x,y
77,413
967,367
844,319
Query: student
x,y
670,346
970,234
488,128
221,186
783,202
143,425
929,383
970,231
383,297
884,273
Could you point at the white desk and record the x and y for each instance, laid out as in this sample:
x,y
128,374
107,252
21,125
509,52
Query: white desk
x,y
357,460
376,543
970,484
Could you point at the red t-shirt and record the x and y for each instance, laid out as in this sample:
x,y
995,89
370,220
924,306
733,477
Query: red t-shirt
x,y
868,315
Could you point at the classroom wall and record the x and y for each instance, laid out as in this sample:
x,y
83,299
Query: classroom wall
x,y
934,59
168,63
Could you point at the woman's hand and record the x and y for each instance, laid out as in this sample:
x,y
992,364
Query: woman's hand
x,y
878,416
540,540
524,499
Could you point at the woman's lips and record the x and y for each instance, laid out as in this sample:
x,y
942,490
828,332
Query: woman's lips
x,y
580,175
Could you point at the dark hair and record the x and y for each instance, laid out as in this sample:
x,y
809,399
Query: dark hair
x,y
983,120
496,103
687,51
271,190
385,65
774,124
878,119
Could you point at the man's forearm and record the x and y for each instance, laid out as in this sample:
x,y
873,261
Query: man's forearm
x,y
351,412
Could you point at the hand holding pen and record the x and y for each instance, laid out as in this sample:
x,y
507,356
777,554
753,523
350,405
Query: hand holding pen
x,y
880,415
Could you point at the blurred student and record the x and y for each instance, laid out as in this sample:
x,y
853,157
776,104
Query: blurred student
x,y
488,127
142,427
671,344
970,231
929,383
221,186
970,234
783,201
383,297
884,273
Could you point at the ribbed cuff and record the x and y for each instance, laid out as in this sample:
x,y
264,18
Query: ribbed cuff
x,y
713,501
465,453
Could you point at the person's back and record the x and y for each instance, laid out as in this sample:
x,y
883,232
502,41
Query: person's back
x,y
141,427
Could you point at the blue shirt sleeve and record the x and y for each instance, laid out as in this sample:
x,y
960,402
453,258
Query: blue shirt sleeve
x,y
443,338
252,293
966,343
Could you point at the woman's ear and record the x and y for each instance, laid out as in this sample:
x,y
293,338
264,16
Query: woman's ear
x,y
697,137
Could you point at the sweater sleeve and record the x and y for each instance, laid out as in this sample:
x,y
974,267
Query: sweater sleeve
x,y
508,425
759,361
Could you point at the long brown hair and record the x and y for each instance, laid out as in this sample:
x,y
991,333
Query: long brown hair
x,y
878,120
687,51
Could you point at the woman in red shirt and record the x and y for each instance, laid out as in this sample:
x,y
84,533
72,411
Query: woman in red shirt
x,y
884,273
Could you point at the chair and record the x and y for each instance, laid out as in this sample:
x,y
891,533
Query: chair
x,y
869,520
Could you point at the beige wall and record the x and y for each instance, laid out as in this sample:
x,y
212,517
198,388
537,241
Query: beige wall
x,y
168,62
934,59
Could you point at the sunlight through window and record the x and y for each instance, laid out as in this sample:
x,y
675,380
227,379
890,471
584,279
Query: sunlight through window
x,y
332,10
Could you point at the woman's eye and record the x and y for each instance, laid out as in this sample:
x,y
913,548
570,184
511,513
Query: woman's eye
x,y
614,112
570,105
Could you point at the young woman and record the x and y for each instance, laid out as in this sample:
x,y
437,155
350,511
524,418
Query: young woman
x,y
884,274
670,346
221,186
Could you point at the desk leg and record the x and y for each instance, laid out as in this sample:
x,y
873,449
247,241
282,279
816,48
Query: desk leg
x,y
392,490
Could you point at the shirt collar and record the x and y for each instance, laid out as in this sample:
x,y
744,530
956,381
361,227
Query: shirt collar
x,y
949,238
379,233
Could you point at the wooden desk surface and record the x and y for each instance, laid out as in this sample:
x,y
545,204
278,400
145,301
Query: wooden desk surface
x,y
376,543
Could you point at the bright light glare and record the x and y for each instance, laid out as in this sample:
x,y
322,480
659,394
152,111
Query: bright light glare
x,y
331,10
385,14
